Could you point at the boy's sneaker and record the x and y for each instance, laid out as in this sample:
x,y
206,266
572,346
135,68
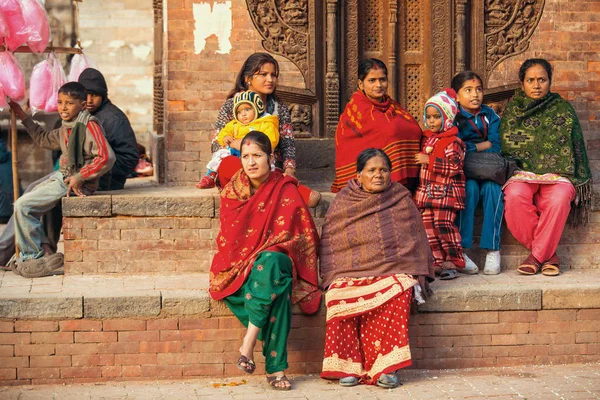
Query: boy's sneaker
x,y
492,263
207,182
470,267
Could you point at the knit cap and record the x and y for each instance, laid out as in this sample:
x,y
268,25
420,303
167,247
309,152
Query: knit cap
x,y
445,103
248,97
94,82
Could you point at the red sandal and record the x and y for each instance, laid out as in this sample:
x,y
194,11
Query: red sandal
x,y
530,266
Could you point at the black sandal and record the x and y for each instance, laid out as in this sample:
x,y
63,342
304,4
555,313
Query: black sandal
x,y
249,367
274,380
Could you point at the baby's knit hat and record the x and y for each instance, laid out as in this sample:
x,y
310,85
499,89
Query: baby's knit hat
x,y
445,103
248,97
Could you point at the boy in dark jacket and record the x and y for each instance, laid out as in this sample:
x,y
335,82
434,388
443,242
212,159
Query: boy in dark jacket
x,y
85,157
116,126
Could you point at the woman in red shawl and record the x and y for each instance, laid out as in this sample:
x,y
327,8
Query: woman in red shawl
x,y
267,257
373,119
374,250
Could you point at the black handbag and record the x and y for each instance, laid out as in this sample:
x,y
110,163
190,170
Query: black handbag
x,y
488,167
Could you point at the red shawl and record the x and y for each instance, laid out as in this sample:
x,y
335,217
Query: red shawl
x,y
274,218
387,126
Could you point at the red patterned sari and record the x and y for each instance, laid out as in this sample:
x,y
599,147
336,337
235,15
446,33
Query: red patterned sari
x,y
387,126
274,218
372,247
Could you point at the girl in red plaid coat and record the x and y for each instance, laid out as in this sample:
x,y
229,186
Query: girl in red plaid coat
x,y
441,190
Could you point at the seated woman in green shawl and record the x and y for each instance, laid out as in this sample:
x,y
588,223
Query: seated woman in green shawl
x,y
541,131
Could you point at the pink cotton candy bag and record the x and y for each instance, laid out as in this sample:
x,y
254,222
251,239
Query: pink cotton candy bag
x,y
58,79
79,63
36,18
11,76
18,30
40,85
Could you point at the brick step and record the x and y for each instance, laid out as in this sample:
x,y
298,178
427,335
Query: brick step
x,y
66,329
156,229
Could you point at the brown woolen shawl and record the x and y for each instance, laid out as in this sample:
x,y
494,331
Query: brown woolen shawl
x,y
373,234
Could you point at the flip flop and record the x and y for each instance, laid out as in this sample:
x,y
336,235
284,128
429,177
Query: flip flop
x,y
274,380
530,266
550,270
389,381
249,367
551,267
348,381
448,274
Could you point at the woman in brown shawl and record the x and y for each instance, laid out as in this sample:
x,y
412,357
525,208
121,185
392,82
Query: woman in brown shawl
x,y
374,250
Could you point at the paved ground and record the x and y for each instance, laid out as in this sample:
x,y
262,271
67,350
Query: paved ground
x,y
580,381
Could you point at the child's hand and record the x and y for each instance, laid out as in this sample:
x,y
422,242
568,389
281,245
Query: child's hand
x,y
421,158
18,110
484,145
74,185
227,140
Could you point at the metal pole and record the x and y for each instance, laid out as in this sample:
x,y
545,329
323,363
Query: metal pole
x,y
15,159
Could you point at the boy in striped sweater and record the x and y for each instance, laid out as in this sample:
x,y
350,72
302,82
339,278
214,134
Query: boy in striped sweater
x,y
86,156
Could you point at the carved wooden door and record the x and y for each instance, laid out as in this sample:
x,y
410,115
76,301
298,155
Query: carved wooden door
x,y
397,32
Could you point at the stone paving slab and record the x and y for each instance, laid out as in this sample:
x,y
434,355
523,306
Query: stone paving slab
x,y
104,296
575,381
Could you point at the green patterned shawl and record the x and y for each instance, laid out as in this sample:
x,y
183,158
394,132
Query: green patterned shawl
x,y
544,136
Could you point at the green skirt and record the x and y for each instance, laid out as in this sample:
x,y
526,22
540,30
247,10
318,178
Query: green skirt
x,y
265,300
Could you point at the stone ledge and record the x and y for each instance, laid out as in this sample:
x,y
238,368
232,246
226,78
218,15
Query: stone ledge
x,y
101,297
122,305
185,302
481,298
40,306
571,296
158,201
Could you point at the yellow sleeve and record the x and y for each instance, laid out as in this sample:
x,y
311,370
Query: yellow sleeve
x,y
226,131
242,131
270,127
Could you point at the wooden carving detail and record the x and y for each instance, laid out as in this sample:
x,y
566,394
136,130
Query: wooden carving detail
x,y
372,30
509,25
301,115
352,60
283,24
332,77
442,45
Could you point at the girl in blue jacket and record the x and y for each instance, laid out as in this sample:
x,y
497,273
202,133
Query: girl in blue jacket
x,y
479,128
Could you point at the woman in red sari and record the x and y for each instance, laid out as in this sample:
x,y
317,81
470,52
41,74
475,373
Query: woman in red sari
x,y
267,257
373,119
374,251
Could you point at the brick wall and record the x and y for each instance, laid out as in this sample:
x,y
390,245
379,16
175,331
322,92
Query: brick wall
x,y
569,37
138,245
119,36
198,84
89,350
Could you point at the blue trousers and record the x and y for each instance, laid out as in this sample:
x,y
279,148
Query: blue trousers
x,y
492,199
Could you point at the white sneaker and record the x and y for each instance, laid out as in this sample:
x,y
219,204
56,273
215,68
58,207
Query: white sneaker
x,y
470,267
492,263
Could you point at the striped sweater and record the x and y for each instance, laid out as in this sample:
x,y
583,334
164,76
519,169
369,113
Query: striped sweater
x,y
97,153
